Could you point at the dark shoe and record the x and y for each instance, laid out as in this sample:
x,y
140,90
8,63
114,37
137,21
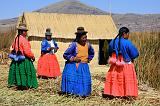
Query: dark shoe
x,y
22,88
108,96
42,77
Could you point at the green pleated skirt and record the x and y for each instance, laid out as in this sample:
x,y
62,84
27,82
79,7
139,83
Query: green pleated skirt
x,y
22,74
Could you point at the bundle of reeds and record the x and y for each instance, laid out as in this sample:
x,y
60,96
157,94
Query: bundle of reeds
x,y
148,63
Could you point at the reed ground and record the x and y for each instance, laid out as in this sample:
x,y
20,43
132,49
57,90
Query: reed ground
x,y
47,93
147,68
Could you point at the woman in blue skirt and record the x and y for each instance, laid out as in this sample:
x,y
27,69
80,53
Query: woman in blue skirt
x,y
76,78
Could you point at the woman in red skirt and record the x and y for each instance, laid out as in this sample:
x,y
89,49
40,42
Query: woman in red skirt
x,y
121,78
48,66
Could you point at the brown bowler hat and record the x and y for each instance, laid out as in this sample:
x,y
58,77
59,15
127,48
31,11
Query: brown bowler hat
x,y
80,30
22,27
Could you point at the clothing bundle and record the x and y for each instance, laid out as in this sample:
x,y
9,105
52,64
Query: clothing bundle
x,y
16,56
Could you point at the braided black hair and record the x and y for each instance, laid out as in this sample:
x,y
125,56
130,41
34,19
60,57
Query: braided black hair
x,y
122,30
78,37
20,32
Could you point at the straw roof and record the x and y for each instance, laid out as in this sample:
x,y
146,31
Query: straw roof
x,y
64,25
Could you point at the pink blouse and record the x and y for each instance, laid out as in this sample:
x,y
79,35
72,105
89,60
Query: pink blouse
x,y
24,46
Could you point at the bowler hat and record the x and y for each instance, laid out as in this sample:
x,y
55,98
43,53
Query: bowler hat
x,y
48,32
80,30
22,27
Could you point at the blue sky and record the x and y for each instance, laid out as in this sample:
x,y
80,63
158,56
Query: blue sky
x,y
14,8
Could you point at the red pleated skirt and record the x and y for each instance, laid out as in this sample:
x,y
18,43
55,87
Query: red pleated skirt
x,y
121,81
48,66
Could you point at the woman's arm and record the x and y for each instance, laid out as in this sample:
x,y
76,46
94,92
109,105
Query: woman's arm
x,y
90,52
132,51
26,48
44,46
69,53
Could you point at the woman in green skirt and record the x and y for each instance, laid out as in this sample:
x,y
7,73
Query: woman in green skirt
x,y
22,72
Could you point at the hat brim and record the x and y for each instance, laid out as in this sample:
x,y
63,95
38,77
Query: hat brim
x,y
48,34
22,29
84,32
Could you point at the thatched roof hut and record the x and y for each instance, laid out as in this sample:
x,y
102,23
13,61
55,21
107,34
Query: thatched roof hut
x,y
63,27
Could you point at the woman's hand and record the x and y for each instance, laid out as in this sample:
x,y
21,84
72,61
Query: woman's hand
x,y
71,59
50,49
33,59
55,50
89,61
77,60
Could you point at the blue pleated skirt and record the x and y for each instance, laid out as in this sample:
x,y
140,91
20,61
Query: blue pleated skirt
x,y
76,81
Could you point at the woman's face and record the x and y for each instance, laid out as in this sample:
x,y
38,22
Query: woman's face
x,y
24,33
48,37
126,35
83,39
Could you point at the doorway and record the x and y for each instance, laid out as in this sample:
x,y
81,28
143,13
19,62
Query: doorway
x,y
103,51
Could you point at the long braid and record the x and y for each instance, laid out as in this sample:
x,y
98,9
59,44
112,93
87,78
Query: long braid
x,y
120,34
119,43
78,37
19,33
114,42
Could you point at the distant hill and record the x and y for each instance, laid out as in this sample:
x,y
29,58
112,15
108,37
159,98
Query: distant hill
x,y
71,7
7,24
135,22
